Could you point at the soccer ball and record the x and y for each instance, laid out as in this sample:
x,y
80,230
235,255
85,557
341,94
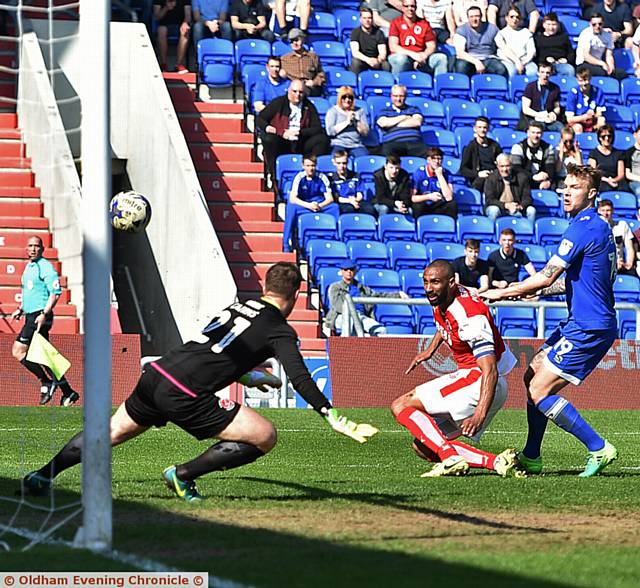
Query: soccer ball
x,y
129,211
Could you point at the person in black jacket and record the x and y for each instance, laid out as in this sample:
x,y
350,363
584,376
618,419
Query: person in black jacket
x,y
393,188
507,192
479,156
553,46
535,157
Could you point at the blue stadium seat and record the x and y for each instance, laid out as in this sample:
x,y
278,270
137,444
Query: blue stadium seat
x,y
330,53
464,136
322,106
501,113
610,88
624,140
570,7
325,164
323,253
368,253
375,83
356,225
417,83
516,317
626,288
346,21
280,48
625,204
393,316
549,230
432,111
573,25
324,278
546,202
630,90
451,85
635,109
446,140
587,141
634,224
461,113
626,324
412,164
382,280
406,255
436,227
448,251
255,51
315,225
215,62
517,84
550,249
552,318
398,330
322,26
423,319
487,249
337,77
621,117
452,165
469,200
475,227
287,166
551,137
623,58
376,104
366,165
522,227
485,86
251,74
507,138
411,282
565,83
396,227
536,253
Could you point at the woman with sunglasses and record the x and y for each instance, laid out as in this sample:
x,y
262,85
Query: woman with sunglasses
x,y
609,161
516,48
347,125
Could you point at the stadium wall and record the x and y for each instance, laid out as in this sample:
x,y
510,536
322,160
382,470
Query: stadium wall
x,y
369,372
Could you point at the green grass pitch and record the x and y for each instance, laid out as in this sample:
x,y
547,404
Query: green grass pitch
x,y
323,511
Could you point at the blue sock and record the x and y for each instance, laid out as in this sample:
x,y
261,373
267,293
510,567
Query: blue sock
x,y
565,415
537,426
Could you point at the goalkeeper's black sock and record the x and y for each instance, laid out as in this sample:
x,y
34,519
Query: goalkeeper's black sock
x,y
36,369
67,457
65,387
224,455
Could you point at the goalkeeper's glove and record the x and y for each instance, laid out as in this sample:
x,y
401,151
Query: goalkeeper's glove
x,y
341,424
263,380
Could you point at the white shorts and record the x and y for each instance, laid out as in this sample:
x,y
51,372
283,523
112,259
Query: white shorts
x,y
452,398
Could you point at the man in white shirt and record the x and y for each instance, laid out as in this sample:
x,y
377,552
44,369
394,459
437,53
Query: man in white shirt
x,y
622,236
595,49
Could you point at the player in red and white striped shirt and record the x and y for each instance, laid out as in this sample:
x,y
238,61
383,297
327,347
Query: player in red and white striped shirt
x,y
464,402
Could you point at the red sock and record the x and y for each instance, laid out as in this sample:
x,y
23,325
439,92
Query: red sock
x,y
473,456
425,429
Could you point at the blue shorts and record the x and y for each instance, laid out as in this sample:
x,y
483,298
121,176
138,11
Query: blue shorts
x,y
575,353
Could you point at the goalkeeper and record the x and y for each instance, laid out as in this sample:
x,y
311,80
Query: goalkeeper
x,y
180,388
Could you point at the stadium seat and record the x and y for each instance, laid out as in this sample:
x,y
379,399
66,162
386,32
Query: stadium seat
x,y
552,318
500,113
346,21
475,227
406,255
423,319
330,53
395,315
537,254
315,225
626,288
522,227
322,106
375,83
451,85
630,90
382,280
549,230
287,166
624,140
417,83
550,250
376,104
255,51
625,204
215,62
487,249
356,225
516,317
366,165
411,282
397,330
368,253
432,111
517,84
412,164
461,113
621,117
323,253
396,227
634,224
565,83
610,88
436,227
323,279
626,324
546,202
507,138
452,165
325,164
280,48
551,137
322,26
635,109
469,200
570,7
448,251
446,140
337,77
573,25
623,58
587,141
464,136
251,74
485,86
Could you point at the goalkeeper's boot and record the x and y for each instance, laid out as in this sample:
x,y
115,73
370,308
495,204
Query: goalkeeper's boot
x,y
70,398
35,484
46,392
598,460
506,464
185,490
529,465
452,466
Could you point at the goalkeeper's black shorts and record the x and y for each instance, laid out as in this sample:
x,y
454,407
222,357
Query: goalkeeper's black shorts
x,y
158,398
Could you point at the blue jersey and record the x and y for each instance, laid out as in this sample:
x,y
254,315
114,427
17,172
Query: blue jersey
x,y
265,90
346,187
588,254
578,103
311,189
396,133
425,183
39,281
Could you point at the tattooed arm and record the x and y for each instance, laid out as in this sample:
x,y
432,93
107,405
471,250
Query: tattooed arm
x,y
542,280
558,287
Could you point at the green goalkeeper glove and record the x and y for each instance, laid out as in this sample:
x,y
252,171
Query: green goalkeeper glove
x,y
263,380
340,424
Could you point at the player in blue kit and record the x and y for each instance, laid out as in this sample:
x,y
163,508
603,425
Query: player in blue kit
x,y
587,256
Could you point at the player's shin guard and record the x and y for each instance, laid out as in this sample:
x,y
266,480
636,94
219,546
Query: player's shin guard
x,y
425,429
564,414
224,455
36,369
67,457
473,456
537,425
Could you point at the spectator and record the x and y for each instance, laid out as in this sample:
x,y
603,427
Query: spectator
x,y
385,11
291,9
632,164
250,20
175,14
479,156
568,151
505,263
595,50
475,46
554,46
347,125
400,124
431,191
617,20
273,86
635,42
210,20
622,237
368,44
535,158
460,8
470,270
393,187
499,9
541,101
303,65
347,189
609,161
349,285
310,192
439,15
585,104
516,48
507,192
412,44
290,124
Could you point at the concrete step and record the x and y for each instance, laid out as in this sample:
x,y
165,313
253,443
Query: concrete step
x,y
8,120
19,191
24,222
249,227
216,139
243,256
306,330
20,208
218,184
18,238
251,276
232,242
17,178
315,344
12,149
62,325
15,163
10,134
239,197
219,124
19,252
9,294
185,78
207,163
229,212
60,310
241,154
185,105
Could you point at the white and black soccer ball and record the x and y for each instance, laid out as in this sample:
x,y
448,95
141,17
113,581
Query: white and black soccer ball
x,y
129,211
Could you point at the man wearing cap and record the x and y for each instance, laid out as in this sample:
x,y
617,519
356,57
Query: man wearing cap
x,y
349,285
303,65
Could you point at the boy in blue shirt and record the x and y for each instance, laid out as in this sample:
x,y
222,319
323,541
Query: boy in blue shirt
x,y
585,104
587,256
